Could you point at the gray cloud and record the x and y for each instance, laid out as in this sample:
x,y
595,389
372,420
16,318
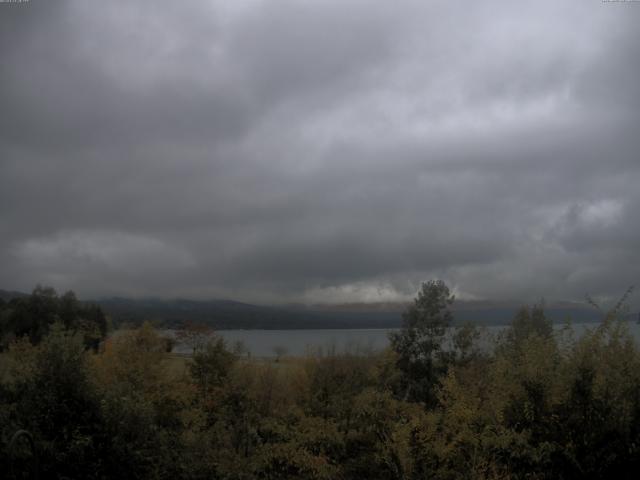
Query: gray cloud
x,y
319,150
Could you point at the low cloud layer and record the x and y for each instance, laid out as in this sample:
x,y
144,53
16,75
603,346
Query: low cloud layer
x,y
320,150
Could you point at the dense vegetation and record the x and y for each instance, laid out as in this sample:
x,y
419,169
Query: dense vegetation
x,y
32,316
540,404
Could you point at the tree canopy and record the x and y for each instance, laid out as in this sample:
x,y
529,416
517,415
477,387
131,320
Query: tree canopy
x,y
533,403
32,316
419,342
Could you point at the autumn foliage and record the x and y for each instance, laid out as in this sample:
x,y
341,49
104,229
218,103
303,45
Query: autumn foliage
x,y
535,403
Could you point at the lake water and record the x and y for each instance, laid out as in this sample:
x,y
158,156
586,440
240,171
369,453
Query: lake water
x,y
263,343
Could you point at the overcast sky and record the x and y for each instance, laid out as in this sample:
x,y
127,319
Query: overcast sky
x,y
320,150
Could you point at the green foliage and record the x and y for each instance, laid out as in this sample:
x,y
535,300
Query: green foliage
x,y
142,407
334,382
49,394
540,405
33,316
527,322
466,344
419,344
211,365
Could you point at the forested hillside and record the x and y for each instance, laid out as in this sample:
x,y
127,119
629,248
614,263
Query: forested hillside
x,y
227,314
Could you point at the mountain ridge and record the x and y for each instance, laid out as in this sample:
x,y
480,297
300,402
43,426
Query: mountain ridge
x,y
232,314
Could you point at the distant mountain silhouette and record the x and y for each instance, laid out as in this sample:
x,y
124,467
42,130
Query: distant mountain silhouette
x,y
7,295
229,314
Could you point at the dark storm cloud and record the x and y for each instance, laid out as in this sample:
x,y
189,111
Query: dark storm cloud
x,y
319,150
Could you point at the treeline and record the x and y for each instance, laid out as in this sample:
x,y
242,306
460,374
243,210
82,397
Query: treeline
x,y
540,404
31,317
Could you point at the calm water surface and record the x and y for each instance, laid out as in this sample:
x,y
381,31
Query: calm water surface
x,y
263,343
